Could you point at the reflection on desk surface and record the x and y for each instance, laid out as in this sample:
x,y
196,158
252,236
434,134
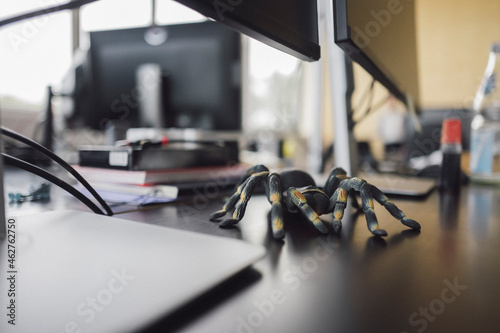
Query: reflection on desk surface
x,y
441,279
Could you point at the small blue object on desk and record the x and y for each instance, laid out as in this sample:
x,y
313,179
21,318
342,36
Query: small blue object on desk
x,y
34,194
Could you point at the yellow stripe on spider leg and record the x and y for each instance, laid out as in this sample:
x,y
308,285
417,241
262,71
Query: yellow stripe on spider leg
x,y
242,204
341,202
368,208
275,198
340,196
370,204
338,214
246,193
300,201
234,198
297,197
230,203
277,220
277,223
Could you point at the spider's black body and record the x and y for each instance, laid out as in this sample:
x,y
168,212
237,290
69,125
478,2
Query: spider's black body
x,y
306,185
303,196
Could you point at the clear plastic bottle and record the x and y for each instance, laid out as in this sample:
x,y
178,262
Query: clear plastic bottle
x,y
485,134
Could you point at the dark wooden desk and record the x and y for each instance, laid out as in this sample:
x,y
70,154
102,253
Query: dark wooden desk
x,y
442,279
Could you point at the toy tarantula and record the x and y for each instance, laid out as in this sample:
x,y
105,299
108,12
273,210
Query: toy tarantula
x,y
302,195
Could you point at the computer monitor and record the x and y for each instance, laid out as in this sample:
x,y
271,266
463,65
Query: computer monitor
x,y
380,35
289,26
198,73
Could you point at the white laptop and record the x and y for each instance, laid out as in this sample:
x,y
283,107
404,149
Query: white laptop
x,y
81,272
72,271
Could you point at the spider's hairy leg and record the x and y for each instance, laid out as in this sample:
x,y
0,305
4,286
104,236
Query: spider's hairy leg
x,y
300,201
393,209
246,193
338,201
230,203
352,194
368,209
333,181
275,198
250,171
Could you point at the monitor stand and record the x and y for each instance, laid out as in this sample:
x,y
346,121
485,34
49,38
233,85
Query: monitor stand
x,y
342,86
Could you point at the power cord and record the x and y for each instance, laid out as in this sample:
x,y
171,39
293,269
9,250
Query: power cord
x,y
32,168
53,179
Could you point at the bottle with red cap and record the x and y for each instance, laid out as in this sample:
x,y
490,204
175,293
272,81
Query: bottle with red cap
x,y
451,148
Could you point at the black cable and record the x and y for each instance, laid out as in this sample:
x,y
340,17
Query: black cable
x,y
61,162
373,108
370,101
70,5
53,179
367,92
22,164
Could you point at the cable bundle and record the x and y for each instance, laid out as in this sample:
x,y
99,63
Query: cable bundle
x,y
53,179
